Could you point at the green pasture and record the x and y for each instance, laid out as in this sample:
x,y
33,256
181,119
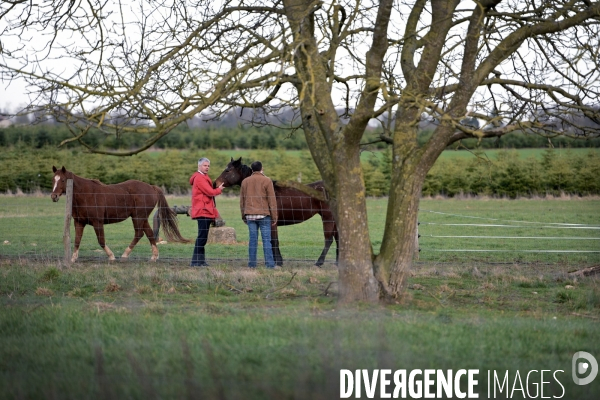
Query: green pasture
x,y
246,154
491,154
141,330
564,231
450,154
494,230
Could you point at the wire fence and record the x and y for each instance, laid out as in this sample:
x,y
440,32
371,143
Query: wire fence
x,y
508,240
32,228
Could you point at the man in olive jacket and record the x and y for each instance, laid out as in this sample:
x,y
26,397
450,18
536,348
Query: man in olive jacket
x,y
259,211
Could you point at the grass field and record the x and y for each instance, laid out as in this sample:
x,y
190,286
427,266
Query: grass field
x,y
448,154
523,153
164,330
452,230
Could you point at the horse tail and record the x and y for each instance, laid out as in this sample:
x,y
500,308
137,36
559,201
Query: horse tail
x,y
168,218
156,224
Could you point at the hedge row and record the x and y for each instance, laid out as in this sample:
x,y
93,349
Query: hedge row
x,y
507,175
29,170
511,176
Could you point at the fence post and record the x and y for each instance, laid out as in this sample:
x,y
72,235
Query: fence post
x,y
416,252
67,230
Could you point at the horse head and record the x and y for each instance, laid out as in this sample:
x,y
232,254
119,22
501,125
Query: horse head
x,y
60,183
232,175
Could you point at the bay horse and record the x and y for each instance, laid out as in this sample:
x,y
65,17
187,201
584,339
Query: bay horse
x,y
97,204
293,207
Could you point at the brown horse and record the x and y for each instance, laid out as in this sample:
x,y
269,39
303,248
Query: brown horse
x,y
96,204
293,207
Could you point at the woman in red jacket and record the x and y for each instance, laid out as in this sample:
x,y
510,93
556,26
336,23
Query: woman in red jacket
x,y
203,208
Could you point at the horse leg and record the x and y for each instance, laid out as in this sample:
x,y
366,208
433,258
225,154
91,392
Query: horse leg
x,y
99,229
336,235
328,231
152,238
275,247
78,234
139,232
321,259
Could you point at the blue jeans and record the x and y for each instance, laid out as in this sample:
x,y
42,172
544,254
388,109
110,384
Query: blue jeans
x,y
264,225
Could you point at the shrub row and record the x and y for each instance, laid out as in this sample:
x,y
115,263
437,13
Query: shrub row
x,y
29,170
511,176
507,175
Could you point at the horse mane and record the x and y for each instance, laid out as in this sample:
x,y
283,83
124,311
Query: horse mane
x,y
73,175
245,170
98,182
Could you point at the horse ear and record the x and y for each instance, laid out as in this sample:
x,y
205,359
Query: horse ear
x,y
54,169
231,159
63,169
238,161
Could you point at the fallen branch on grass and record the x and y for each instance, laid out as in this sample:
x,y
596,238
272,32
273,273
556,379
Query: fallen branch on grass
x,y
438,300
327,289
233,288
586,271
584,315
229,286
282,287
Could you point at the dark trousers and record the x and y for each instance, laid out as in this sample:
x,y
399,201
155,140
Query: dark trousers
x,y
198,258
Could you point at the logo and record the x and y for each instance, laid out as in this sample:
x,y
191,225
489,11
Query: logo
x,y
581,368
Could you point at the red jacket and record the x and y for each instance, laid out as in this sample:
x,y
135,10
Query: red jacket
x,y
203,196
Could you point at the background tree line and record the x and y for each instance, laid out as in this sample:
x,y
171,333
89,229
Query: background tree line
x,y
224,137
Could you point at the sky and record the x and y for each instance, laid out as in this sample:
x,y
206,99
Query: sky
x,y
12,96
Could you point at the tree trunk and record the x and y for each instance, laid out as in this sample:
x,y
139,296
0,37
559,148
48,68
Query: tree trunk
x,y
336,151
394,262
356,279
410,165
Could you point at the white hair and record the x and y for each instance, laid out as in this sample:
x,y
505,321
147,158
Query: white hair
x,y
203,159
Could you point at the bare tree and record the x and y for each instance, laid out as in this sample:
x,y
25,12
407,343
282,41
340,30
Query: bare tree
x,y
147,66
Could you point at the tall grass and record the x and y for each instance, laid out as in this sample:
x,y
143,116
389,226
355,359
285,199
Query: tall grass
x,y
100,330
